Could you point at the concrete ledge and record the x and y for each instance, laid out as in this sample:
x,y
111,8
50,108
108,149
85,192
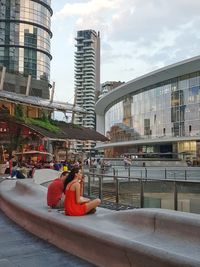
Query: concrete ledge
x,y
45,175
138,238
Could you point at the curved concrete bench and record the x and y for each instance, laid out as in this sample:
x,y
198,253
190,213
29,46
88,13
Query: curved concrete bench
x,y
138,238
45,175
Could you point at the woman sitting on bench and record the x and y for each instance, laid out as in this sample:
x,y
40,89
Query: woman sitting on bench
x,y
75,204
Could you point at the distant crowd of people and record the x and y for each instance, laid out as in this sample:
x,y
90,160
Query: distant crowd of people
x,y
18,169
25,169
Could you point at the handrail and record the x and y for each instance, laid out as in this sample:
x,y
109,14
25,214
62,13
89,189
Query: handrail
x,y
140,178
100,180
146,172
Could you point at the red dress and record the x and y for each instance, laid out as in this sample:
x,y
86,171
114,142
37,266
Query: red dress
x,y
71,207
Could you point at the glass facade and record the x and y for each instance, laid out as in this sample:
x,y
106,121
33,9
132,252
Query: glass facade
x,y
167,110
25,37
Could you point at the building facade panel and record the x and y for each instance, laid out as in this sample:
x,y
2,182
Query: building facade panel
x,y
167,110
25,38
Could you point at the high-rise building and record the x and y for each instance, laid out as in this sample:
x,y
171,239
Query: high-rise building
x,y
87,75
108,86
25,45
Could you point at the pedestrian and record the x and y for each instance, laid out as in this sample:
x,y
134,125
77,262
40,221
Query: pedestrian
x,y
7,169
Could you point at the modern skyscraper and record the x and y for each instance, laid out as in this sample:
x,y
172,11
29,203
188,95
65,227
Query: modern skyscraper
x,y
25,44
87,75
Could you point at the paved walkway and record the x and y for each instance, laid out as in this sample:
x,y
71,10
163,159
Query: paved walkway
x,y
19,248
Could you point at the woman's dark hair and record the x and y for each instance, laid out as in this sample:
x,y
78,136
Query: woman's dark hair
x,y
64,173
70,176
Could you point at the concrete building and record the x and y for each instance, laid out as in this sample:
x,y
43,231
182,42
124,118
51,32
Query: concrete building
x,y
87,75
108,86
25,46
157,114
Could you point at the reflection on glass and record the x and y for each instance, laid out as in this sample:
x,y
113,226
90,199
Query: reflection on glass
x,y
167,110
25,37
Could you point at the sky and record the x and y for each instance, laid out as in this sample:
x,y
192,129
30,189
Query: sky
x,y
137,37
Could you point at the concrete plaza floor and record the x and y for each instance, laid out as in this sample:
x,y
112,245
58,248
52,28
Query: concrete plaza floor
x,y
19,248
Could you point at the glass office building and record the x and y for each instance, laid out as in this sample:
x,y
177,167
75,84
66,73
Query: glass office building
x,y
25,41
155,115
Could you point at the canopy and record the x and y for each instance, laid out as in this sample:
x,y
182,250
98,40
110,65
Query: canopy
x,y
33,152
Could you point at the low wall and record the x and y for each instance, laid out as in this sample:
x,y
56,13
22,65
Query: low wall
x,y
149,162
137,238
45,175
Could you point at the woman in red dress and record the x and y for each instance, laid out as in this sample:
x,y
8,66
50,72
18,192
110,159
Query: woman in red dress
x,y
75,204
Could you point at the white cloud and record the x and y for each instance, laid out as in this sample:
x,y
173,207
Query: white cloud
x,y
151,17
91,7
137,36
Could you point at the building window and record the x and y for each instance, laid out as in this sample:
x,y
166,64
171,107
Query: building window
x,y
164,131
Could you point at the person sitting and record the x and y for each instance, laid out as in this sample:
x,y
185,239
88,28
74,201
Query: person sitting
x,y
14,170
55,192
75,204
7,169
65,167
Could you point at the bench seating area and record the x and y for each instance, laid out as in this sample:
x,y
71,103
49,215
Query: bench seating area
x,y
137,238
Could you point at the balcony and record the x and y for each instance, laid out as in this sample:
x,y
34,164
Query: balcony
x,y
79,38
78,45
79,52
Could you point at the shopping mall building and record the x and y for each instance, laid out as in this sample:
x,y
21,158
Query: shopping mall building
x,y
155,115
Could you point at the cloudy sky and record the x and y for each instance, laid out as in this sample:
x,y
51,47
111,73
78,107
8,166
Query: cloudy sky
x,y
137,36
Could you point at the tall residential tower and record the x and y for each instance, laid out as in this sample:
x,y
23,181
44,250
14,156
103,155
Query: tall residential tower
x,y
87,75
25,45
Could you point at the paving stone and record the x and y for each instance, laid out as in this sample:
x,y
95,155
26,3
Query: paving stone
x,y
19,248
6,263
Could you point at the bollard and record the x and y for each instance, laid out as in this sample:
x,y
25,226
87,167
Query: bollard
x,y
141,194
165,173
93,174
117,191
145,173
100,187
185,175
89,185
129,173
175,196
113,171
114,177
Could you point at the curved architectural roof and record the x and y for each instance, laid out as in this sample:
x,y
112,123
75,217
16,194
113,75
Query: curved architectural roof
x,y
39,102
155,77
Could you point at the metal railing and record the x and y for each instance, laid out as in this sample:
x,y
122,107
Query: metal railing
x,y
142,192
174,173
